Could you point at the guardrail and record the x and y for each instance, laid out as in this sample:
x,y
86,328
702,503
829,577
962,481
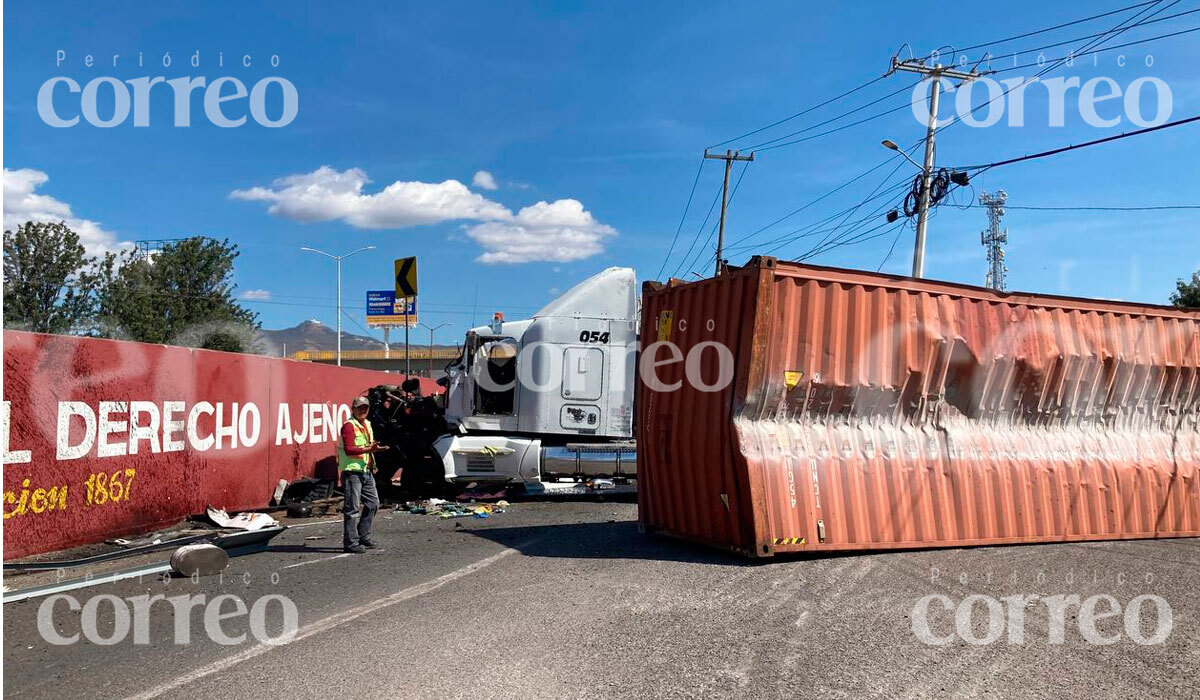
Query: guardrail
x,y
415,353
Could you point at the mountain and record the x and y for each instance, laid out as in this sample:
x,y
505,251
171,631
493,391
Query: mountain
x,y
314,335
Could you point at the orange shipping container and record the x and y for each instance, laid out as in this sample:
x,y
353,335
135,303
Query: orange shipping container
x,y
858,411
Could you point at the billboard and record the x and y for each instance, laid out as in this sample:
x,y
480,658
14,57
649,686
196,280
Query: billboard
x,y
384,309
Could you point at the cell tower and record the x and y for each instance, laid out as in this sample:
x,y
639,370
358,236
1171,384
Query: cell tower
x,y
994,239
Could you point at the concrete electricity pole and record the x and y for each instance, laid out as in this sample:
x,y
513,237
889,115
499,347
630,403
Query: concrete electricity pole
x,y
729,157
994,239
338,259
937,72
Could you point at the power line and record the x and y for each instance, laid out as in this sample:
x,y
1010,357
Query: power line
x,y
807,229
1116,30
890,175
679,228
800,113
863,237
1072,55
937,72
1016,53
864,120
1086,144
1055,63
833,119
1100,34
361,326
1050,29
699,231
835,190
887,257
773,143
1163,207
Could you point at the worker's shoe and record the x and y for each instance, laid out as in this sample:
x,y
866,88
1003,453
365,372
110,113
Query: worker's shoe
x,y
355,549
369,544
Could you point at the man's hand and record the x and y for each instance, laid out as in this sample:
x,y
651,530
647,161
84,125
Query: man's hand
x,y
376,447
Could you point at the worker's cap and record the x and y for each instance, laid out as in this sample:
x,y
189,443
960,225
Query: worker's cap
x,y
359,401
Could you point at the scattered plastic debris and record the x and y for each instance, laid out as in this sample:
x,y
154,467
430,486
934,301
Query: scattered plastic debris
x,y
121,542
446,510
241,521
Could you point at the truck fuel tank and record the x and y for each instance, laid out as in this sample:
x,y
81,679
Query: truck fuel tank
x,y
587,460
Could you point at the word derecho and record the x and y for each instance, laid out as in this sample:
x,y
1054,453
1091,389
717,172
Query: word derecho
x,y
118,428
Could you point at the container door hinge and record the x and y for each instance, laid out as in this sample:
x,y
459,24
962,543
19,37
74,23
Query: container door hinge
x,y
820,530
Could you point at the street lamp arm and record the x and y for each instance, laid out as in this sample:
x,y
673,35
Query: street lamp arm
x,y
910,160
319,252
369,247
891,145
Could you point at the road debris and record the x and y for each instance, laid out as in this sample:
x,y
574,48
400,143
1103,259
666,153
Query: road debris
x,y
199,560
241,521
446,510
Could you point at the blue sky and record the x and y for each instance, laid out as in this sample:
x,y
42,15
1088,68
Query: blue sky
x,y
600,112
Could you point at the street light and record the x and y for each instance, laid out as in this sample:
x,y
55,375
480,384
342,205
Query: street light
x,y
888,143
338,259
431,329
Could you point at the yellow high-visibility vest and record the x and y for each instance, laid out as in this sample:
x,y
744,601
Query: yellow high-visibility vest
x,y
363,436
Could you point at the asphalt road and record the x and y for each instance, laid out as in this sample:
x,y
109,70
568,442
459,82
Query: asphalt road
x,y
568,600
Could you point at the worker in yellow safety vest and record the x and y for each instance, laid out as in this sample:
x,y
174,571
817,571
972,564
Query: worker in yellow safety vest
x,y
356,462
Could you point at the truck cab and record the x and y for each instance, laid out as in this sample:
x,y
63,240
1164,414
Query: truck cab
x,y
564,376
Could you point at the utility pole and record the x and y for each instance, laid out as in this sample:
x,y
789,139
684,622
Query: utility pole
x,y
937,72
729,157
431,329
994,239
338,259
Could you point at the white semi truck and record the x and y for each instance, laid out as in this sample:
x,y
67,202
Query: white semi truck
x,y
547,402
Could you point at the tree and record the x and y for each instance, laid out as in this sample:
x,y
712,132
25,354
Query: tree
x,y
48,279
180,295
1187,294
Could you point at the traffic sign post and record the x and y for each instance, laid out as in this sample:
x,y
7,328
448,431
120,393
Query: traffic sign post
x,y
406,277
405,270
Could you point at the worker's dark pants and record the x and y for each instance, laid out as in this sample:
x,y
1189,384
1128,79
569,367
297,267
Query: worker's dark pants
x,y
362,500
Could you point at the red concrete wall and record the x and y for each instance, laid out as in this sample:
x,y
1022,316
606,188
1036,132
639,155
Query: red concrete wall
x,y
59,491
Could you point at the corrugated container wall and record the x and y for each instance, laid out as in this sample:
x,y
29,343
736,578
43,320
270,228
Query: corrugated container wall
x,y
830,409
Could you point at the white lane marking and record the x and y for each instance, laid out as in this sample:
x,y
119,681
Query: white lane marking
x,y
314,561
324,625
319,522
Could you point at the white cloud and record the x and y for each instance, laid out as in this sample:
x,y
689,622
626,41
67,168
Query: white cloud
x,y
327,194
484,180
559,231
256,295
22,203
